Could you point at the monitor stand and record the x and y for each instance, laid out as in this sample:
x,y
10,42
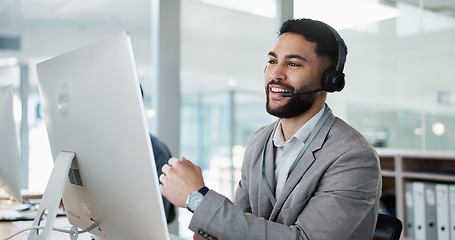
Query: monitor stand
x,y
51,200
52,196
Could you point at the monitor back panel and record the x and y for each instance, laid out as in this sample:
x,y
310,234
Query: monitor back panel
x,y
92,106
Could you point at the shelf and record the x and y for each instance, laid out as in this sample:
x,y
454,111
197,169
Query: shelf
x,y
399,166
388,173
430,177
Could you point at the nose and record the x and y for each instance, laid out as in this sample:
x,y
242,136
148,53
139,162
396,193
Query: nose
x,y
277,72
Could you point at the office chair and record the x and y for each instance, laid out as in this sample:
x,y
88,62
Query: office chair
x,y
387,227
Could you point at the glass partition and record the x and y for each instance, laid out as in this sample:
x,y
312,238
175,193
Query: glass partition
x,y
400,90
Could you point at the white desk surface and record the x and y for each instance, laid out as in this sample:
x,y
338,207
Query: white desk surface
x,y
8,228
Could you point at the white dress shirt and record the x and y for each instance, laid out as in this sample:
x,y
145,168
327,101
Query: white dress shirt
x,y
287,151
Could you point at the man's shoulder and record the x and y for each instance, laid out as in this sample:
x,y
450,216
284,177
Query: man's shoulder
x,y
341,126
344,134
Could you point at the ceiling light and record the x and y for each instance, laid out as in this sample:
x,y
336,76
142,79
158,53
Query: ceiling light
x,y
438,128
417,131
344,14
232,82
264,8
150,113
340,14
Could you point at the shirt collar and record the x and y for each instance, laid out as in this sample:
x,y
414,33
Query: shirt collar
x,y
301,135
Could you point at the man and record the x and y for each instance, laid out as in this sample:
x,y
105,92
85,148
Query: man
x,y
307,176
162,154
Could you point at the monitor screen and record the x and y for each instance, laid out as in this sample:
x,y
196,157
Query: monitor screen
x,y
92,107
9,153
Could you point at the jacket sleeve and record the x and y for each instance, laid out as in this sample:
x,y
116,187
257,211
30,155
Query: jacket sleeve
x,y
340,191
219,218
343,202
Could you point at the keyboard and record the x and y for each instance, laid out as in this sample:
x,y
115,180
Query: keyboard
x,y
15,215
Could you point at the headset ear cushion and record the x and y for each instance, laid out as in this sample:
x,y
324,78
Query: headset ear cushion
x,y
332,80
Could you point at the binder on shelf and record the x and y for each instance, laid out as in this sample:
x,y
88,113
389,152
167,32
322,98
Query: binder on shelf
x,y
452,210
442,211
409,224
418,193
430,211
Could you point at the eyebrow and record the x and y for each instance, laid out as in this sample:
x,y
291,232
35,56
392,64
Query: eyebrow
x,y
290,56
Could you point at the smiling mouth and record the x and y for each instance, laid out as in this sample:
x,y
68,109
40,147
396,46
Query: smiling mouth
x,y
278,90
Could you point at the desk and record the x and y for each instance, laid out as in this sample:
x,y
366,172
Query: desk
x,y
8,228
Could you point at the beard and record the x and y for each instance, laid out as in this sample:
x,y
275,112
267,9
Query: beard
x,y
296,106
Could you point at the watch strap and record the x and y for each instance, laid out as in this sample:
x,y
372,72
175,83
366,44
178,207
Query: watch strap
x,y
204,190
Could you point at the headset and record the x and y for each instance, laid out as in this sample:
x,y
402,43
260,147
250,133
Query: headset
x,y
333,79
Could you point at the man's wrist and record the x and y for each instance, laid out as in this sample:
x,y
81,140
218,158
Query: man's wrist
x,y
195,198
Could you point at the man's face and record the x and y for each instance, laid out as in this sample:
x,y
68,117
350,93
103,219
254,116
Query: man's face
x,y
293,67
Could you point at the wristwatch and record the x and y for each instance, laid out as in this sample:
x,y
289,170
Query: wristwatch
x,y
195,198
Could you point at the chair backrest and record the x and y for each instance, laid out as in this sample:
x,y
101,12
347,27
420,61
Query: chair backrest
x,y
387,227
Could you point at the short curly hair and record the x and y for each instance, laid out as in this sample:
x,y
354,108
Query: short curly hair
x,y
317,32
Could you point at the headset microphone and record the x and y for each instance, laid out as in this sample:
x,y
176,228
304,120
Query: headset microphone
x,y
289,94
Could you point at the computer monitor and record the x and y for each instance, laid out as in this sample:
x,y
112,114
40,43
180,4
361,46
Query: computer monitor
x,y
9,154
93,109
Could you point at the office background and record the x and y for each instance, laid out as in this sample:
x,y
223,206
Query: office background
x,y
400,90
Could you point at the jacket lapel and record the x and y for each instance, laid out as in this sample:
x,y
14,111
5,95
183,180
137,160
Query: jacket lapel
x,y
265,206
302,166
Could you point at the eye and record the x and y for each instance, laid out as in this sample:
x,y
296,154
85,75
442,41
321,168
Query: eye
x,y
294,65
271,62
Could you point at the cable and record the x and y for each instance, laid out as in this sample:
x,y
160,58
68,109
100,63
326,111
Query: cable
x,y
36,228
73,232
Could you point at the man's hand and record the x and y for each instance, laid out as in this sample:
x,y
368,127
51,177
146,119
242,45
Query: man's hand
x,y
179,179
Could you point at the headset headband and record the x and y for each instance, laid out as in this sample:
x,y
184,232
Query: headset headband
x,y
342,50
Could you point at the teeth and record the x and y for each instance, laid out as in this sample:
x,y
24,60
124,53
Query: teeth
x,y
277,90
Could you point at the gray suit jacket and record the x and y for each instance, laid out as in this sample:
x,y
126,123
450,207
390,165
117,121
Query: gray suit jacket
x,y
333,193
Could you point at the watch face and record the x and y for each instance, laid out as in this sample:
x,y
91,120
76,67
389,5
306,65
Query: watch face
x,y
194,200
